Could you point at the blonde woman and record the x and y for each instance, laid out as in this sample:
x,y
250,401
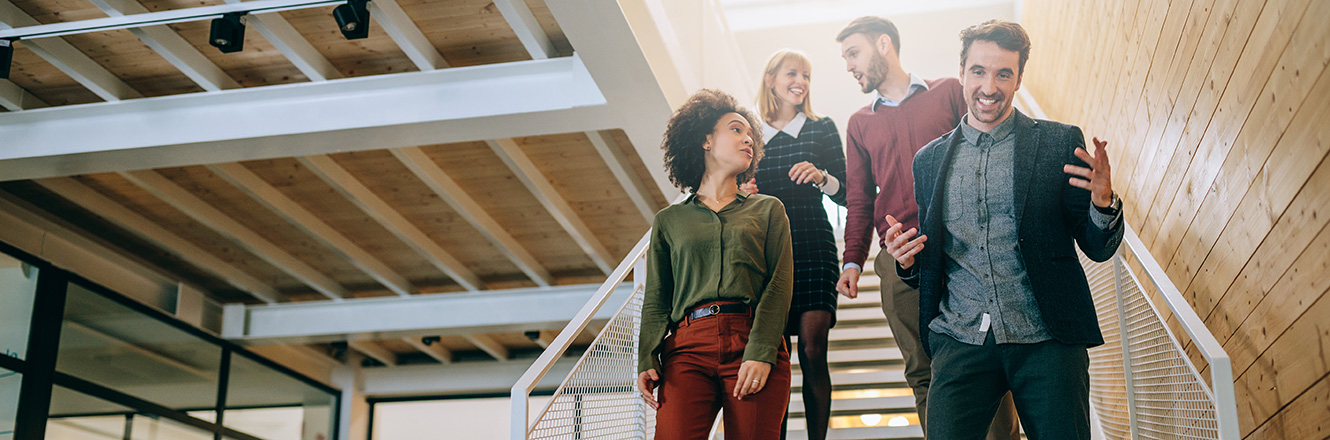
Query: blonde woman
x,y
804,162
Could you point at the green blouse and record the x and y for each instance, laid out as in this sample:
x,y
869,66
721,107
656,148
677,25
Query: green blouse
x,y
697,256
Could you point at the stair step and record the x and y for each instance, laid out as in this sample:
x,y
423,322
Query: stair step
x,y
867,298
877,333
860,315
885,355
854,407
911,432
894,378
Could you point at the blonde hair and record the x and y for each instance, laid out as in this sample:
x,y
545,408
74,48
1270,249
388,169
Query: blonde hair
x,y
766,100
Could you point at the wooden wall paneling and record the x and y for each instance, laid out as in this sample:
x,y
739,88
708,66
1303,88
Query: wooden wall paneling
x,y
1194,32
551,27
103,206
484,179
635,163
312,225
555,204
307,189
123,54
154,209
577,171
374,55
170,45
1272,33
378,203
69,59
1290,366
1305,417
207,214
1127,96
1111,68
466,32
1285,93
59,11
1207,78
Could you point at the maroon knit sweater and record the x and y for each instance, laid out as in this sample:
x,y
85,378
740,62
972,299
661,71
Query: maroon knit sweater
x,y
880,146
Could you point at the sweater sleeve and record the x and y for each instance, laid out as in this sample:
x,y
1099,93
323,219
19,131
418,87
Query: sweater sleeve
x,y
773,307
860,194
656,299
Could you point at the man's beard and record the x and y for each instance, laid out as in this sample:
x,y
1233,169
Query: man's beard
x,y
877,72
1003,106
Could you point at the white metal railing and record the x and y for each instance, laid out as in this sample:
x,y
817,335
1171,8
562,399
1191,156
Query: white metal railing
x,y
1142,383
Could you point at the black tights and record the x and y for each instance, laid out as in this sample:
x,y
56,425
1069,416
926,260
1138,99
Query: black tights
x,y
813,327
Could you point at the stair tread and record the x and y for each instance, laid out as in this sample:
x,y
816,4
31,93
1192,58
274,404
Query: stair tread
x,y
886,378
867,405
876,432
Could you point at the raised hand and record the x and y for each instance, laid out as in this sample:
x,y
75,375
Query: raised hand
x,y
749,187
902,245
804,172
1098,178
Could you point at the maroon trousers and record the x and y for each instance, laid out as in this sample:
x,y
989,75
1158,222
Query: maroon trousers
x,y
701,360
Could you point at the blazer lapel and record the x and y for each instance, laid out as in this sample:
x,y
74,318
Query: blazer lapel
x,y
1026,154
933,223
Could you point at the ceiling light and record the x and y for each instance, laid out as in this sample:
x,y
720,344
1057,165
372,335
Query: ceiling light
x,y
228,33
352,19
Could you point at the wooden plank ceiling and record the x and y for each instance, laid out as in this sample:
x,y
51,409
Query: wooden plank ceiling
x,y
497,214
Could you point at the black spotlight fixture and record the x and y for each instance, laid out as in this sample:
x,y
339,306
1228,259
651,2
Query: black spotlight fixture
x,y
228,33
6,56
353,19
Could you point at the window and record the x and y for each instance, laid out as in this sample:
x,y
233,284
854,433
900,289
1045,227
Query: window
x,y
9,391
267,403
18,284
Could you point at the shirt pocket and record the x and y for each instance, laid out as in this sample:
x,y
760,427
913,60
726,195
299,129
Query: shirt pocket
x,y
746,243
960,196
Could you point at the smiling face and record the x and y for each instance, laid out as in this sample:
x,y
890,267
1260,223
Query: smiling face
x,y
990,77
730,146
864,59
790,83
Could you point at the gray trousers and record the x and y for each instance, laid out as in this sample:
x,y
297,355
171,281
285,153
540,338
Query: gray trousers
x,y
1049,381
901,305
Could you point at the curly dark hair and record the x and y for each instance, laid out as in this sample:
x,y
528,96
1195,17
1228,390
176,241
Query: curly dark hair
x,y
687,131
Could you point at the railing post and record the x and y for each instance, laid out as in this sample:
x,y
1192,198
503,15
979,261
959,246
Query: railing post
x,y
1119,265
639,282
519,414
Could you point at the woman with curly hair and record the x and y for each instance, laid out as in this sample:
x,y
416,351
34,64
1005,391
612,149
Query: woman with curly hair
x,y
719,274
803,161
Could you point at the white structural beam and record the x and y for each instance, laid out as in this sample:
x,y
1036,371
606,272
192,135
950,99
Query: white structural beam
x,y
294,46
374,351
488,345
598,28
204,213
526,27
549,197
495,311
67,58
435,350
437,180
310,224
341,180
406,34
460,378
461,104
15,98
171,46
628,179
154,233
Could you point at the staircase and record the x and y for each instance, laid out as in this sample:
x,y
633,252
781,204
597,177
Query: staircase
x,y
869,393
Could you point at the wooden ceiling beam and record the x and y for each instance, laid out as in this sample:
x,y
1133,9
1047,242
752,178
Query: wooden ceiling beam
x,y
549,197
528,30
171,46
258,189
435,350
374,351
108,209
203,212
628,179
341,180
15,98
489,345
67,58
447,189
407,35
294,46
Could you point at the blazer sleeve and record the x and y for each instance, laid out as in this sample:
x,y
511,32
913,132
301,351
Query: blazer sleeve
x,y
924,169
1097,243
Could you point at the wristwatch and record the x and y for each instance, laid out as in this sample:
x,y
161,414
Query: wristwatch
x,y
824,180
1113,208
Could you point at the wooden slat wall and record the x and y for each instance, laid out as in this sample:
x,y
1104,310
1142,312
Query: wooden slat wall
x,y
1215,112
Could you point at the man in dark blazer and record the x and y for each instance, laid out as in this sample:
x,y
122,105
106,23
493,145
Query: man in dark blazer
x,y
1004,304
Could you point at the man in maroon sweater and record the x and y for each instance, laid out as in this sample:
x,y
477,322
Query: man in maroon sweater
x,y
907,113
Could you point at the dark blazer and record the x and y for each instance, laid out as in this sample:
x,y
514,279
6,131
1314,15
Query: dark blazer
x,y
1050,213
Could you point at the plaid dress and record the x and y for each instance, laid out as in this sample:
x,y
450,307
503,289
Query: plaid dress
x,y
815,263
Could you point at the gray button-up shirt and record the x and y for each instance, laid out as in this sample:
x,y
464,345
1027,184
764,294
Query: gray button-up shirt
x,y
988,288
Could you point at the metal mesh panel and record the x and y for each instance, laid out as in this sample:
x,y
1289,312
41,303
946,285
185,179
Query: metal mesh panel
x,y
1163,393
599,399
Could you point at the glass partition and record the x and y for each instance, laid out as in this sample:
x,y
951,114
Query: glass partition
x,y
268,404
10,383
18,285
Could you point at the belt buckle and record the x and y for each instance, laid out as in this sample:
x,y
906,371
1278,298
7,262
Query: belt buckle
x,y
714,309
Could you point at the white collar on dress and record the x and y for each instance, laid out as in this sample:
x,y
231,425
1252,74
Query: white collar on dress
x,y
791,128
